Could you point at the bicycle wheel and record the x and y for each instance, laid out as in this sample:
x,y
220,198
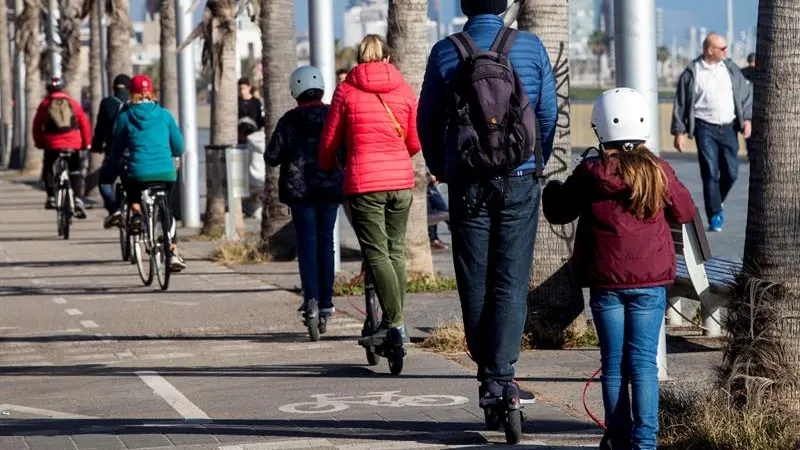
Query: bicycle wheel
x,y
65,211
162,253
124,239
141,255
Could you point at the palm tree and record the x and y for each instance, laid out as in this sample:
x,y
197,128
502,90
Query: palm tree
x,y
278,59
168,73
555,303
662,56
28,27
96,85
71,17
772,240
598,44
119,39
219,56
407,37
6,93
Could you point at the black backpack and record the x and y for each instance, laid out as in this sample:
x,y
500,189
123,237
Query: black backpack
x,y
495,123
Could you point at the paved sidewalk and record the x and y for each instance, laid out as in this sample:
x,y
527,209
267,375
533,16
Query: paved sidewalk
x,y
91,359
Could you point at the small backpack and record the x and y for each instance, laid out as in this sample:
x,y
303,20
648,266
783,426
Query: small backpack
x,y
62,117
495,123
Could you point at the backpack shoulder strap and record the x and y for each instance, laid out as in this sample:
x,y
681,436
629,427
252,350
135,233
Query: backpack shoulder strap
x,y
465,46
504,41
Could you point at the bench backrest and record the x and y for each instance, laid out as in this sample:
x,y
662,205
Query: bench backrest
x,y
695,230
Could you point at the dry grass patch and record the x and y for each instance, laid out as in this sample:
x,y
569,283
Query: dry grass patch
x,y
446,338
691,420
245,251
354,284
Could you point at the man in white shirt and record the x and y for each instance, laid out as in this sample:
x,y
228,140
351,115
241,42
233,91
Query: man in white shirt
x,y
713,102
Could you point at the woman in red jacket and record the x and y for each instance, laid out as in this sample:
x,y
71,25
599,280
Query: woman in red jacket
x,y
373,114
624,253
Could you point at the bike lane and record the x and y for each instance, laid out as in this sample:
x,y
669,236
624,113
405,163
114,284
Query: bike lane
x,y
92,359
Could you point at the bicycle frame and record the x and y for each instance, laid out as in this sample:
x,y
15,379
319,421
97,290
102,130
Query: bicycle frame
x,y
61,180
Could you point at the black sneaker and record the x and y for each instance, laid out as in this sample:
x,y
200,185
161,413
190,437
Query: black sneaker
x,y
50,203
490,392
525,396
136,223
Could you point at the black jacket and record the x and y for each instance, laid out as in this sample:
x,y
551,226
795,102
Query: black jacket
x,y
251,108
295,147
106,117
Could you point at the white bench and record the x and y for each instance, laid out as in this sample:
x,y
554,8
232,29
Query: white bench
x,y
700,276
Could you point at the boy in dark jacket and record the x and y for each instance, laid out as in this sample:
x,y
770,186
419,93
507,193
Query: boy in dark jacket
x,y
623,252
312,194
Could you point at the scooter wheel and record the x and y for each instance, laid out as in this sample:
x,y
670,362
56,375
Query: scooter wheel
x,y
313,328
514,426
396,362
372,358
492,419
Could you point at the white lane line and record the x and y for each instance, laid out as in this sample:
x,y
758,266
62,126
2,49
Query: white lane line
x,y
166,356
59,300
73,312
8,328
275,445
89,324
172,396
22,358
387,445
99,356
44,412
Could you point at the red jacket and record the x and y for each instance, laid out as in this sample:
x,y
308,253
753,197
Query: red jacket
x,y
377,158
613,249
72,140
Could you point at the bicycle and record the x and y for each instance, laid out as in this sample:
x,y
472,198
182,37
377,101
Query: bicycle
x,y
65,195
154,247
375,346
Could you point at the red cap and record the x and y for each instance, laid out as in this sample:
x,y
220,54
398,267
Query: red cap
x,y
141,84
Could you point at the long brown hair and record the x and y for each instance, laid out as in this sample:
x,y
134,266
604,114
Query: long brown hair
x,y
643,174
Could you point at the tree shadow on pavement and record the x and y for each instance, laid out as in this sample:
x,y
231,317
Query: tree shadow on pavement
x,y
422,432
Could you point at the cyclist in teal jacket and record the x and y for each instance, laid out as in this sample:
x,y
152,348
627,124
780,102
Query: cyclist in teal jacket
x,y
153,139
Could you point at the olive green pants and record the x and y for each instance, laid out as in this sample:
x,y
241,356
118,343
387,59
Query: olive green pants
x,y
379,220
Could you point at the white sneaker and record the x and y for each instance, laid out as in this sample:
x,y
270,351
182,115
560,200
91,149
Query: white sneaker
x,y
80,211
177,264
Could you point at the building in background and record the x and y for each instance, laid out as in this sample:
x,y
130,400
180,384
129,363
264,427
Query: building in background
x,y
659,27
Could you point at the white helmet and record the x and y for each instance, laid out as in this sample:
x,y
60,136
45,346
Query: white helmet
x,y
619,115
305,78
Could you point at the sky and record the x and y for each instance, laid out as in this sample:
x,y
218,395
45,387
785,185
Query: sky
x,y
678,15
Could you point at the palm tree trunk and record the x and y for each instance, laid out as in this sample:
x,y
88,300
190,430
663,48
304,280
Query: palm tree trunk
x,y
278,59
224,107
96,85
407,35
119,39
69,30
772,240
28,42
555,303
6,93
168,92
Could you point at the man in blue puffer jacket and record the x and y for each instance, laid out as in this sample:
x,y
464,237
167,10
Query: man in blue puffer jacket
x,y
493,221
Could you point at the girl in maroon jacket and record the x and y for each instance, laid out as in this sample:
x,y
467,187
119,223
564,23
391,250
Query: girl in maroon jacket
x,y
624,253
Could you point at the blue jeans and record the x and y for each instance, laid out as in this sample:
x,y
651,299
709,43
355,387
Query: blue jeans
x,y
628,323
435,203
107,176
314,226
717,152
493,224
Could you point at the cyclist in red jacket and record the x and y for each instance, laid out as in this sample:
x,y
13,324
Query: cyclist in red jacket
x,y
60,125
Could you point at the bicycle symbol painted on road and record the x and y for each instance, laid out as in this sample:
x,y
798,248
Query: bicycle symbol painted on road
x,y
330,403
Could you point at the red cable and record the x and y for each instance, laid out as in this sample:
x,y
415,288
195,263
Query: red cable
x,y
585,406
